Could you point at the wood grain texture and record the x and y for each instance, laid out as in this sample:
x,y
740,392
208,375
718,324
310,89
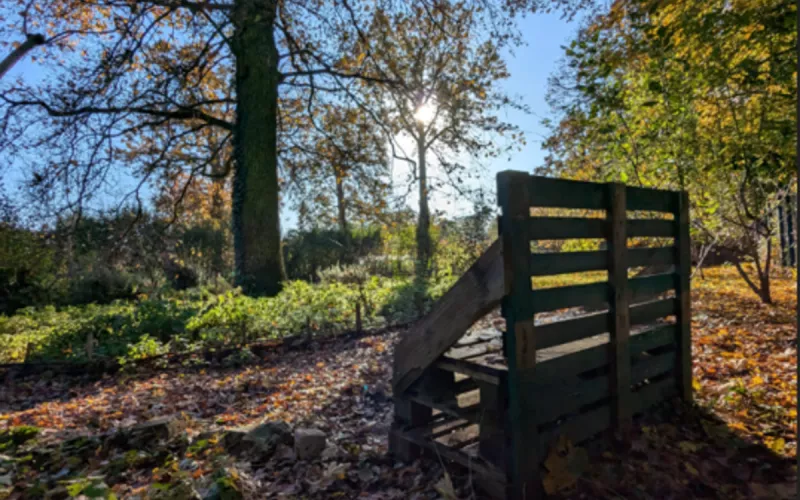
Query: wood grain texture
x,y
683,242
521,437
620,327
476,293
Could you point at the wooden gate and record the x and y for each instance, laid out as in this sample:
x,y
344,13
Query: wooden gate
x,y
608,350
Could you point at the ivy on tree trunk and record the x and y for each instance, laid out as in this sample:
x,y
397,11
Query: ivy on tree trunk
x,y
256,222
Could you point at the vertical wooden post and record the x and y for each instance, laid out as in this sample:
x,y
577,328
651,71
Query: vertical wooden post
x,y
491,446
522,441
683,291
619,317
407,414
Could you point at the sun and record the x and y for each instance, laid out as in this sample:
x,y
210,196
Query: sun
x,y
425,113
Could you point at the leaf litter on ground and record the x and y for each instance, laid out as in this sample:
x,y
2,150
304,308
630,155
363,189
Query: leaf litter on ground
x,y
736,442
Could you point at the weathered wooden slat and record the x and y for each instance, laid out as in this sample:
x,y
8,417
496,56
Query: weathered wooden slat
x,y
561,332
467,442
652,200
493,424
473,370
597,356
471,351
654,256
652,394
653,338
471,413
568,395
578,429
455,425
466,385
648,312
565,228
684,300
548,264
558,399
591,423
551,299
408,413
476,293
447,453
651,228
520,342
653,366
649,287
564,193
622,291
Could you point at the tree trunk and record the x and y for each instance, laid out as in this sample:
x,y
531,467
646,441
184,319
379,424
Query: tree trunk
x,y
424,245
14,57
256,204
341,205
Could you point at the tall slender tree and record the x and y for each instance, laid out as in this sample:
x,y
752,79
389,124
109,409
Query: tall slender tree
x,y
445,97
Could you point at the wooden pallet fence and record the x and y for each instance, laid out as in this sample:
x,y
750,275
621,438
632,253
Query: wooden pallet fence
x,y
615,348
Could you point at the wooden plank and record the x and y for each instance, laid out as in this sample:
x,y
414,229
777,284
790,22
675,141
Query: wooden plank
x,y
471,351
578,429
650,287
567,395
620,327
651,228
684,339
597,356
561,398
474,370
653,367
570,330
447,453
652,200
548,264
654,393
654,256
565,228
516,233
452,426
653,338
593,422
471,413
466,385
476,293
590,295
564,193
648,312
492,432
408,413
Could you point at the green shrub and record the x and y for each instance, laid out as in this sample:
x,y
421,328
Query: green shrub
x,y
102,285
199,319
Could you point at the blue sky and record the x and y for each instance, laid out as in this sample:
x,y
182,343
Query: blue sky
x,y
530,67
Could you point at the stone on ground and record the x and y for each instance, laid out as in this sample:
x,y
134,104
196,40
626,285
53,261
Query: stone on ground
x,y
308,443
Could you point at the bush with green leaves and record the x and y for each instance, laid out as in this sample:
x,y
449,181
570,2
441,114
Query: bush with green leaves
x,y
198,319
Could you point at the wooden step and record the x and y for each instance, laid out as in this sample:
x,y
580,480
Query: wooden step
x,y
473,370
451,408
476,464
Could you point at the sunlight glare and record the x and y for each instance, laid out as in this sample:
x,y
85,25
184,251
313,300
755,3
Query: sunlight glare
x,y
425,113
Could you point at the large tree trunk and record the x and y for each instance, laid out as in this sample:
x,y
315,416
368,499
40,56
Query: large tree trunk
x,y
256,206
424,244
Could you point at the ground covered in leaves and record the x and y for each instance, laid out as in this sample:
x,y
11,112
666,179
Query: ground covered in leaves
x,y
63,437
